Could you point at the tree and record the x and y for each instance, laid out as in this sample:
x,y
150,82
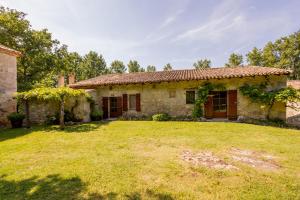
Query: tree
x,y
59,95
255,57
93,65
134,66
151,68
202,64
167,67
234,60
117,66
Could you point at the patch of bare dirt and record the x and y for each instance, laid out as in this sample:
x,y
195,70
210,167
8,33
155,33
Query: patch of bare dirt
x,y
254,159
206,159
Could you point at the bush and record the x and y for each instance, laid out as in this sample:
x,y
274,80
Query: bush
x,y
161,117
15,116
16,119
96,114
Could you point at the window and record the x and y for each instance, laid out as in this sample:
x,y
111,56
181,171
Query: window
x,y
172,93
132,102
190,97
220,101
113,104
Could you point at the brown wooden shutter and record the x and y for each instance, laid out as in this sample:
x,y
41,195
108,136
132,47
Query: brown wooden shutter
x,y
119,106
105,107
232,104
208,107
138,102
125,102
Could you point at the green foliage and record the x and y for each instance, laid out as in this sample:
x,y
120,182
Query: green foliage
x,y
96,114
118,67
202,95
234,60
134,66
283,53
151,68
202,64
15,116
254,57
161,117
93,65
50,94
168,67
260,94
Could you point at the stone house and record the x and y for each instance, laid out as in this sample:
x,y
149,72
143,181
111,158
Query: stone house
x,y
8,82
174,92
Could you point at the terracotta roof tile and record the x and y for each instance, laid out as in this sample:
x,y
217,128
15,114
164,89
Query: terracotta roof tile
x,y
9,51
178,75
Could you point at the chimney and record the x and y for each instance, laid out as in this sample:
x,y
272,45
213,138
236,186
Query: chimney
x,y
61,80
71,78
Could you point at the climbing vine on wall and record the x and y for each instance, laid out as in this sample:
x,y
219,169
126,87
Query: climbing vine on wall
x,y
202,95
259,93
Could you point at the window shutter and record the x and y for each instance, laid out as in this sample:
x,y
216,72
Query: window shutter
x,y
125,102
138,102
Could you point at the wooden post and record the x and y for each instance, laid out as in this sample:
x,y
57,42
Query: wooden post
x,y
62,115
27,113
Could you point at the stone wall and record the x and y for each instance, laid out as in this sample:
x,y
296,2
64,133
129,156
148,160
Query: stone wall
x,y
41,111
293,109
155,97
8,86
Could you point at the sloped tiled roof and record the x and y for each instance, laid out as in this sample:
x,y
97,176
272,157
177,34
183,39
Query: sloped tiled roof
x,y
178,75
9,51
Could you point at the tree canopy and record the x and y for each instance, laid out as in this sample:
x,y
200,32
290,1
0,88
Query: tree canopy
x,y
234,60
134,66
117,66
168,67
151,68
202,64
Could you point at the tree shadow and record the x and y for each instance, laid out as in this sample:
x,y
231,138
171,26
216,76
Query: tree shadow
x,y
6,134
50,187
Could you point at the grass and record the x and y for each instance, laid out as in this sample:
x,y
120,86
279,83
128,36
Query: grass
x,y
141,160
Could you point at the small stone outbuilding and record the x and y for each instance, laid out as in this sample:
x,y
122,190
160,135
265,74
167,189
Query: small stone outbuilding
x,y
174,92
8,82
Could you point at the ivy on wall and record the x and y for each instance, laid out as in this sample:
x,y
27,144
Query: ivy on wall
x,y
202,95
260,94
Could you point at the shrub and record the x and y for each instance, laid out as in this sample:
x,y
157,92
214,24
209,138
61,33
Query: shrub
x,y
161,117
16,119
15,116
96,114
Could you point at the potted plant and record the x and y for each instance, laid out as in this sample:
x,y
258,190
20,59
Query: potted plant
x,y
16,119
96,114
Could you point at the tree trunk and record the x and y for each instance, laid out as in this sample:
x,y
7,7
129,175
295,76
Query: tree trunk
x,y
27,114
62,115
269,110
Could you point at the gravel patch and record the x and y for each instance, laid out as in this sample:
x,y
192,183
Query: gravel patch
x,y
206,159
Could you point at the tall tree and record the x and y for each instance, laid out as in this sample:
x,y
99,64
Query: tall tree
x,y
255,57
202,64
151,68
168,67
234,60
93,65
134,66
37,61
117,66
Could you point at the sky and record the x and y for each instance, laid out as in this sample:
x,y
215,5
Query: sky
x,y
156,32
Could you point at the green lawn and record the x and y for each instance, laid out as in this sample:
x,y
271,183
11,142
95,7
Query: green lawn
x,y
142,160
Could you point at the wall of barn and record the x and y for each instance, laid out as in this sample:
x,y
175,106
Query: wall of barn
x,y
155,97
8,86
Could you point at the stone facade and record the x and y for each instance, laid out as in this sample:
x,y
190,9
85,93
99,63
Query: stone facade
x,y
8,85
155,97
293,109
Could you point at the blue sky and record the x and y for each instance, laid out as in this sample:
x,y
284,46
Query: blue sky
x,y
156,32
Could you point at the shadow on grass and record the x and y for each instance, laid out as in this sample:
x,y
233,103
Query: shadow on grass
x,y
56,187
6,134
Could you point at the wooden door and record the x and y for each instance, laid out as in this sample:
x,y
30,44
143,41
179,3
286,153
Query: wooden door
x,y
105,107
115,106
208,107
232,104
219,104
